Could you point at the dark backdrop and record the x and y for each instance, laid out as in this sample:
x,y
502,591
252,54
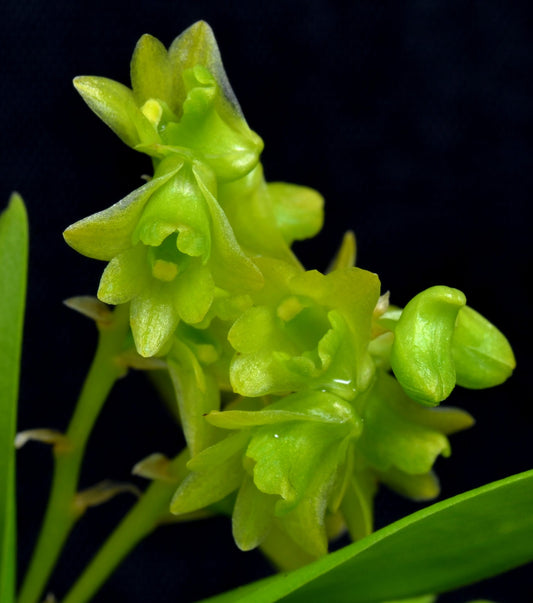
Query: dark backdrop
x,y
412,120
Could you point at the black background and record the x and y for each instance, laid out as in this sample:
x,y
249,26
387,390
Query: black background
x,y
413,119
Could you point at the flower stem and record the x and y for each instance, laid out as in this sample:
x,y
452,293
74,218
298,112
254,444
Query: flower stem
x,y
147,513
63,511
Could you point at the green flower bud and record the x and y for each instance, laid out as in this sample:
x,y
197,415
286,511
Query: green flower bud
x,y
421,355
482,355
439,342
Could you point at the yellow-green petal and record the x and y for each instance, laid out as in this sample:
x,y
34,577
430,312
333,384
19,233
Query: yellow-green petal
x,y
177,206
108,233
481,353
394,434
153,318
200,489
197,46
298,210
193,291
231,268
125,277
197,394
252,515
115,105
151,71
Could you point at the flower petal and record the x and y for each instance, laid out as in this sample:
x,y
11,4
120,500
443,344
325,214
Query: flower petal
x,y
197,46
394,435
299,210
125,276
231,269
153,318
252,515
177,206
151,71
249,208
115,105
193,291
105,234
197,394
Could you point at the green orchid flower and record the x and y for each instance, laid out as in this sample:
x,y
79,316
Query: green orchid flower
x,y
179,248
402,439
286,462
170,249
180,102
298,392
306,331
311,457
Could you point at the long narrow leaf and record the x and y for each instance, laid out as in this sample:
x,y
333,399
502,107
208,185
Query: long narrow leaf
x,y
13,272
455,542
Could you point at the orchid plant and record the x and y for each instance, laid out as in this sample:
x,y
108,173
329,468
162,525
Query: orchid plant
x,y
298,392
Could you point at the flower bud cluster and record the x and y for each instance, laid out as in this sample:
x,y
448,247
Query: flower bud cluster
x,y
282,375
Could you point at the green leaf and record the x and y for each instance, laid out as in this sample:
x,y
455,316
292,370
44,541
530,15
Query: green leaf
x,y
424,599
455,542
13,272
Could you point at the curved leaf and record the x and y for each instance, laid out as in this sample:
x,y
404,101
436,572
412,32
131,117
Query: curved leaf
x,y
455,542
13,270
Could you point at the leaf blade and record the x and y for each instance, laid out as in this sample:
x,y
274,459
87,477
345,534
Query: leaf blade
x,y
13,273
424,552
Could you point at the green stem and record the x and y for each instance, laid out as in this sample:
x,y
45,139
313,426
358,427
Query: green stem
x,y
147,513
63,510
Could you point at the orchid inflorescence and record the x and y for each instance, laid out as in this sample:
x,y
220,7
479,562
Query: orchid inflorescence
x,y
298,392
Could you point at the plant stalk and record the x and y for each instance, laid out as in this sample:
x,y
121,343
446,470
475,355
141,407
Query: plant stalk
x,y
63,511
140,521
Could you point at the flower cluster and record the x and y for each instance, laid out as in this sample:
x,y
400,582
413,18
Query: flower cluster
x,y
297,391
